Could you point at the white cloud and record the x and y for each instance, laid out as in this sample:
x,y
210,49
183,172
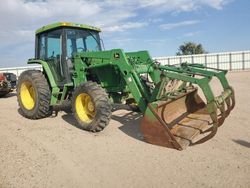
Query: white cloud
x,y
18,15
192,34
157,41
126,26
169,26
183,5
20,18
217,4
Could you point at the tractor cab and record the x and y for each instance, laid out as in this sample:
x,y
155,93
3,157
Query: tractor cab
x,y
56,44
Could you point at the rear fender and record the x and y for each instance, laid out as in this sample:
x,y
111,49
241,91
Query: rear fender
x,y
47,71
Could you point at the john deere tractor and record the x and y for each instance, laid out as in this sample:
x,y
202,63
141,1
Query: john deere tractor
x,y
76,69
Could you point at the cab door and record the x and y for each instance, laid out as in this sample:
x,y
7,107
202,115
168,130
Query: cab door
x,y
50,49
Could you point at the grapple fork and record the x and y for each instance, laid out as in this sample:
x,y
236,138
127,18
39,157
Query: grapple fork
x,y
181,118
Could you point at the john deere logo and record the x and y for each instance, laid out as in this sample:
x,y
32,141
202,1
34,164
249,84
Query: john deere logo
x,y
116,55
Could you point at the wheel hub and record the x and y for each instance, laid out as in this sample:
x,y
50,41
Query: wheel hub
x,y
90,106
28,95
85,107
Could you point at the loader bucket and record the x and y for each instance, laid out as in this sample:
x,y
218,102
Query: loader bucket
x,y
184,121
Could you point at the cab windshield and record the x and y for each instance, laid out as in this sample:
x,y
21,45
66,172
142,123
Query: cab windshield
x,y
82,41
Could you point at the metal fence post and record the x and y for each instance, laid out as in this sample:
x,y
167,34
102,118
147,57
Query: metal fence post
x,y
243,60
230,61
205,60
217,58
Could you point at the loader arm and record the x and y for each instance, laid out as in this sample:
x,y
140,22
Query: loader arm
x,y
114,59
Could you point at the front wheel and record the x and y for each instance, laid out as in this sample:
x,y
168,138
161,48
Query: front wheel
x,y
91,107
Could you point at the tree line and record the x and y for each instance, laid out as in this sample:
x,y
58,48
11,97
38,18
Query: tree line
x,y
190,48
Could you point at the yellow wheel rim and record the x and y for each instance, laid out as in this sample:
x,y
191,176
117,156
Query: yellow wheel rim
x,y
85,108
28,95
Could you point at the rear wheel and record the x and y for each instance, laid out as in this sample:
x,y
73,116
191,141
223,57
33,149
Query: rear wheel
x,y
33,95
91,107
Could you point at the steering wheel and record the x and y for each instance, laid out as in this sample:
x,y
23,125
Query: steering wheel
x,y
80,48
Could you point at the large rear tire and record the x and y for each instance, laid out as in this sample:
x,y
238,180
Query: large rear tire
x,y
33,95
91,107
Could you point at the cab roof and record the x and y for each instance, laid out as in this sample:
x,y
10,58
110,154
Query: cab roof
x,y
66,24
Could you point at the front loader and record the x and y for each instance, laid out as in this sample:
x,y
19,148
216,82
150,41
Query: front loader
x,y
76,70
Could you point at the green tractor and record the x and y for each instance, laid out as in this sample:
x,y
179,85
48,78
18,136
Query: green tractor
x,y
76,69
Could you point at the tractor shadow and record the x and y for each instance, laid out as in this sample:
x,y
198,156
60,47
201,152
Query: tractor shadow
x,y
242,143
130,124
12,94
68,117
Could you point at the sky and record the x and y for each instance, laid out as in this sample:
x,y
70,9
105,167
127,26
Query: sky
x,y
159,26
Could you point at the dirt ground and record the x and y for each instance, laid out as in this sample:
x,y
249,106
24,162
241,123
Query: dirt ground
x,y
53,153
